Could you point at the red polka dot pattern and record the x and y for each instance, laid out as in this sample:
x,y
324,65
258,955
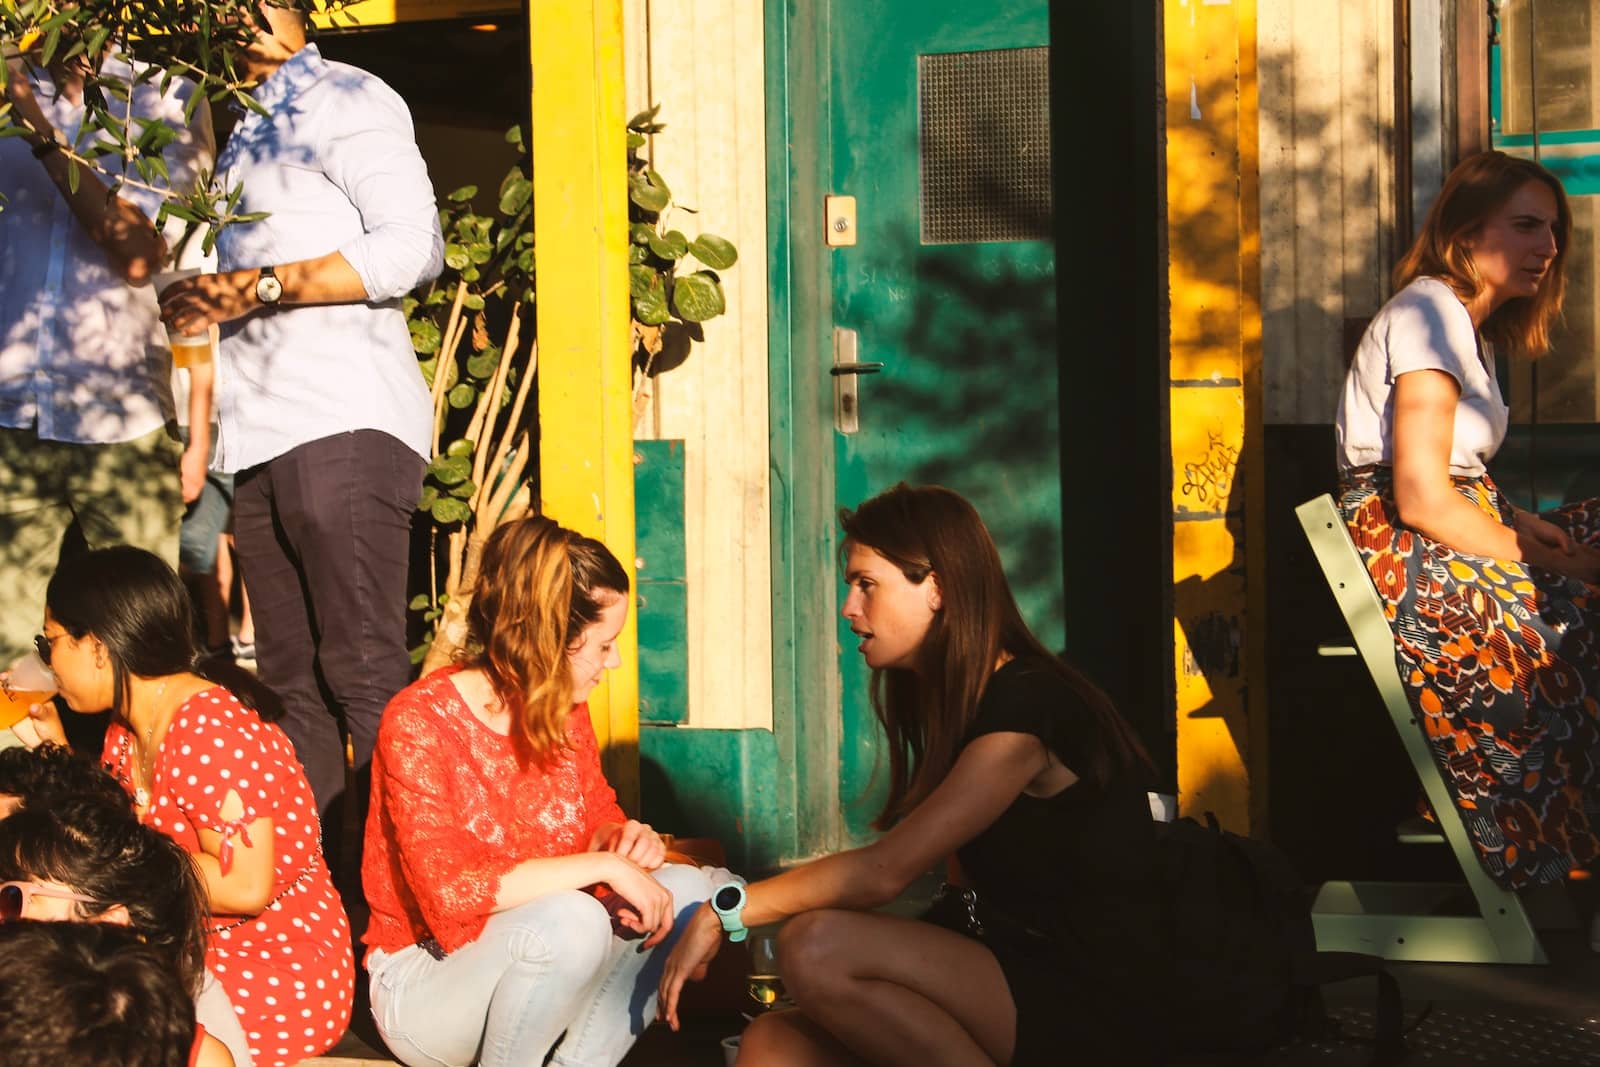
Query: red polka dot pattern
x,y
288,971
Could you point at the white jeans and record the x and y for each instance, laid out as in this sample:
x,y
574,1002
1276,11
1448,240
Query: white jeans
x,y
214,1011
549,967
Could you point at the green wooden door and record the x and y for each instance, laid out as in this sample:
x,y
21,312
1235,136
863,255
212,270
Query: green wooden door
x,y
938,126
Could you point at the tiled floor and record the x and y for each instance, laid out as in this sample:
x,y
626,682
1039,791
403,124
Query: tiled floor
x,y
698,1044
1472,1014
1458,1015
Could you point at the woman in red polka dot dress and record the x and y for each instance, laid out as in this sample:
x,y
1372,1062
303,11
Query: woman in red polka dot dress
x,y
206,770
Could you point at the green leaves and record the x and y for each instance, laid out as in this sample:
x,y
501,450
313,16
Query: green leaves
x,y
697,297
97,40
449,509
645,121
463,335
425,337
669,245
515,193
483,364
715,252
648,289
668,304
450,470
647,189
127,149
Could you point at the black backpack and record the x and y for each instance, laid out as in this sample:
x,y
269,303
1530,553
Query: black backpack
x,y
1247,973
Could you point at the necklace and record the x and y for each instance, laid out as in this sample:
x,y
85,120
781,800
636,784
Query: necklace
x,y
144,761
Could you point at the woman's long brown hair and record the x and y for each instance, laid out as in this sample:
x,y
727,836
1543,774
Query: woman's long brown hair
x,y
927,712
539,586
1479,186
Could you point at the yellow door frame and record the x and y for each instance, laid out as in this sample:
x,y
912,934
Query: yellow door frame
x,y
580,210
1218,544
368,13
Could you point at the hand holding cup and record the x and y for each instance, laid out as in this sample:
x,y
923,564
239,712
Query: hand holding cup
x,y
25,691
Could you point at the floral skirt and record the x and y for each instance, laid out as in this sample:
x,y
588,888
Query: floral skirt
x,y
1501,663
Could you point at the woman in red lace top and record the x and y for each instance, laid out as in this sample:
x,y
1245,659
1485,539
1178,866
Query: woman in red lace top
x,y
490,817
210,773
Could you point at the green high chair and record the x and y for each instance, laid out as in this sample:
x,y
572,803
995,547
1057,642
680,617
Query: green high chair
x,y
1474,922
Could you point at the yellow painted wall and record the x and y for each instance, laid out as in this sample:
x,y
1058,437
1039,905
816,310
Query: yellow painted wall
x,y
580,259
1214,264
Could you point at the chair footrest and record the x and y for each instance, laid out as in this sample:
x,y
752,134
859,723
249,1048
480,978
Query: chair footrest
x,y
1420,921
1418,830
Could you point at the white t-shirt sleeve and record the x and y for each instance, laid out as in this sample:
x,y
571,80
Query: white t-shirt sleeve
x,y
1429,332
1424,327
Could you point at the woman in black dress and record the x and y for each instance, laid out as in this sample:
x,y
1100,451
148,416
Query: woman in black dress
x,y
1001,756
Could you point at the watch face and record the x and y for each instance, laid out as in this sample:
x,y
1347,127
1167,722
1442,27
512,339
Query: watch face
x,y
268,289
727,898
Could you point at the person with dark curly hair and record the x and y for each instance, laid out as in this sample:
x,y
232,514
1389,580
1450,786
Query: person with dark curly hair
x,y
87,859
90,995
49,774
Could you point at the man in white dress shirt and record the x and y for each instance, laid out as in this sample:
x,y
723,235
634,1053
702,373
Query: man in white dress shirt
x,y
323,415
86,420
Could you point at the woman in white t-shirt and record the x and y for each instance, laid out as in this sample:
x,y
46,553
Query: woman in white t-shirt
x,y
1492,606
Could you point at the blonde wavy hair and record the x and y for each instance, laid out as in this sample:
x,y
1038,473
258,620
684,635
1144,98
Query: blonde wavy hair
x,y
539,586
1479,186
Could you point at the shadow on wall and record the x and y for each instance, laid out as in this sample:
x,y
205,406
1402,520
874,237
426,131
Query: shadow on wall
x,y
1209,445
976,410
1339,778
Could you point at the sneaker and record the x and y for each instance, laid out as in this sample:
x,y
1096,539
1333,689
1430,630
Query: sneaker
x,y
244,653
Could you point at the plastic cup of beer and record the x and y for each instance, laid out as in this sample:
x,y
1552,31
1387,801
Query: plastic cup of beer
x,y
187,350
25,683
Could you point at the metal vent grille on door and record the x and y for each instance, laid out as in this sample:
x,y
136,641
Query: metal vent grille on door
x,y
984,139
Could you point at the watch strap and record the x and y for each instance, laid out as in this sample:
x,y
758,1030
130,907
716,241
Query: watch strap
x,y
731,915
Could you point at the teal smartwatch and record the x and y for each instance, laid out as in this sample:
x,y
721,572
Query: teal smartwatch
x,y
728,903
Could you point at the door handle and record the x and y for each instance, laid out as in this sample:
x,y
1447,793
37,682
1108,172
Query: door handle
x,y
846,368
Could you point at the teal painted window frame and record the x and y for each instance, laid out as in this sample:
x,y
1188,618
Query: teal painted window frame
x,y
1563,152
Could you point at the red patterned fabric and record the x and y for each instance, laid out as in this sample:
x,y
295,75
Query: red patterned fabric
x,y
1501,662
289,971
453,810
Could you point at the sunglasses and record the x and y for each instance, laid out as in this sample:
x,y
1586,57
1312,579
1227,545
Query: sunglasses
x,y
14,897
45,645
